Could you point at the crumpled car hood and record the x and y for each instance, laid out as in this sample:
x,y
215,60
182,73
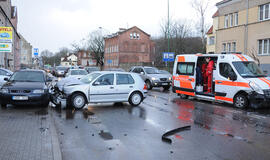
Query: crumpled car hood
x,y
69,81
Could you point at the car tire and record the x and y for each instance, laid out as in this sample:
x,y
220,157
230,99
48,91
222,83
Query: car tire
x,y
183,96
240,101
135,99
149,85
77,101
3,105
166,88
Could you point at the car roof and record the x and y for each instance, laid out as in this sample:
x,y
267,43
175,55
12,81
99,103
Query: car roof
x,y
105,72
6,70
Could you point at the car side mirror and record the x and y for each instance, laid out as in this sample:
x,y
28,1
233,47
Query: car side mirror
x,y
6,79
8,74
96,83
142,73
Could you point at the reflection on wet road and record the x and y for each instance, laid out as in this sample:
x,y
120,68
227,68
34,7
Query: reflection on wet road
x,y
121,131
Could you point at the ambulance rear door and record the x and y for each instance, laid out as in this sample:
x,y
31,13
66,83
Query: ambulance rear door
x,y
184,74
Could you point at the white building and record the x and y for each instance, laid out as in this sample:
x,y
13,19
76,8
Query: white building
x,y
70,60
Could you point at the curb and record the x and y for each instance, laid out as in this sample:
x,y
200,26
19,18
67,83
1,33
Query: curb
x,y
57,154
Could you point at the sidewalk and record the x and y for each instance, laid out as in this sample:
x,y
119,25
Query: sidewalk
x,y
28,134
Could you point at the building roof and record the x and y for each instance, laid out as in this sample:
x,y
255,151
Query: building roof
x,y
222,2
123,31
216,14
210,31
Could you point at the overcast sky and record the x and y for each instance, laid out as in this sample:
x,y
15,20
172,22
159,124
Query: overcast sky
x,y
52,24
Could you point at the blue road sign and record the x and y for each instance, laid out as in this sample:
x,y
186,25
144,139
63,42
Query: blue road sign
x,y
35,51
109,61
168,56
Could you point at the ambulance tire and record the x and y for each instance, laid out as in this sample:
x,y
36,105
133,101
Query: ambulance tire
x,y
240,101
183,96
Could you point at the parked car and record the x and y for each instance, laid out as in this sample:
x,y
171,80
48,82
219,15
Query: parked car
x,y
152,77
4,73
60,71
91,69
101,87
76,73
115,69
26,87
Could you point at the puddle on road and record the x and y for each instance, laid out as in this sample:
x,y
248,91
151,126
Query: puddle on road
x,y
105,135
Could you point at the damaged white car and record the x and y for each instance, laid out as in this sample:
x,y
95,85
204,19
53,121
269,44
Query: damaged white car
x,y
100,87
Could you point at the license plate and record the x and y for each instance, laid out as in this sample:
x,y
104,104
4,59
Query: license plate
x,y
20,98
164,84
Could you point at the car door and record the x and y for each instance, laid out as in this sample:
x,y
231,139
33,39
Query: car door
x,y
225,87
185,75
124,85
103,89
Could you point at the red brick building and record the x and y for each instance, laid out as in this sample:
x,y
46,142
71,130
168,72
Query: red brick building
x,y
85,59
128,46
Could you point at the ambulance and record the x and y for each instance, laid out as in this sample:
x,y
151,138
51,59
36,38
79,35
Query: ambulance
x,y
237,80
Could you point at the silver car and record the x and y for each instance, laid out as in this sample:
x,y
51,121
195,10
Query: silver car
x,y
76,73
4,73
101,87
153,77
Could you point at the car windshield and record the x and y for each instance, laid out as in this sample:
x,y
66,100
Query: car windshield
x,y
78,72
61,68
89,78
27,76
151,71
248,69
163,72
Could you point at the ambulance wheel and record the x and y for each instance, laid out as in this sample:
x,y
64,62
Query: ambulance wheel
x,y
183,96
240,101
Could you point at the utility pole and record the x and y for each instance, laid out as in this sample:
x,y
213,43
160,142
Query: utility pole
x,y
168,34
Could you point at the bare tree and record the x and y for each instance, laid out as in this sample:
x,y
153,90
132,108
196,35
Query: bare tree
x,y
201,6
254,54
96,46
46,53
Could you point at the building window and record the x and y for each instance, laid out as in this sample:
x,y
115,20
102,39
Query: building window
x,y
264,47
224,47
226,21
211,40
134,35
229,47
231,20
131,36
233,46
236,19
264,12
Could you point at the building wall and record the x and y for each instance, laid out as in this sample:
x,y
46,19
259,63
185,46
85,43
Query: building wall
x,y
256,29
122,49
6,20
26,52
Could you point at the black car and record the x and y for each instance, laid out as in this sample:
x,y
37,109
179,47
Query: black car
x,y
26,87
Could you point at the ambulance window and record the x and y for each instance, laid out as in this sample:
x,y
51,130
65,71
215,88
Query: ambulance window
x,y
226,70
185,68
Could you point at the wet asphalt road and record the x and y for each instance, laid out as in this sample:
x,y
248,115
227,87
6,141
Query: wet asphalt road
x,y
115,132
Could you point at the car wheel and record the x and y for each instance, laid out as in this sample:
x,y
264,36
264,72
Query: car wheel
x,y
78,101
183,96
240,101
3,105
148,84
135,99
166,87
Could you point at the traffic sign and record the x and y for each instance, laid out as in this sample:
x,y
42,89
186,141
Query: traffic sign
x,y
36,51
109,61
168,56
